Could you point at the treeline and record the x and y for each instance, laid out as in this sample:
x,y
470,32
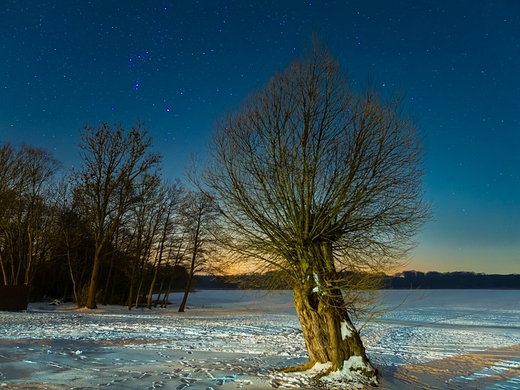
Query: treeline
x,y
403,280
452,280
112,231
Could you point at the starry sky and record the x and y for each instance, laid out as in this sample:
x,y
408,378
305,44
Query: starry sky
x,y
178,65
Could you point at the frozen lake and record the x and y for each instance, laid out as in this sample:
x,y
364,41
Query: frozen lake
x,y
437,339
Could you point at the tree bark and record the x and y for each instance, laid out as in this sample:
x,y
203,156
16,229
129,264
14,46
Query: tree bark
x,y
29,256
4,274
200,209
327,329
158,264
152,286
164,303
74,289
104,301
112,258
188,283
92,288
329,334
192,270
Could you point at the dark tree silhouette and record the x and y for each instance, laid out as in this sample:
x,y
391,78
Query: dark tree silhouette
x,y
113,161
26,192
198,221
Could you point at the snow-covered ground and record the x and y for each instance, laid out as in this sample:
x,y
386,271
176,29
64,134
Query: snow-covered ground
x,y
442,339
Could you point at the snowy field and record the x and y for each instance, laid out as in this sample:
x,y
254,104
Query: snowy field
x,y
438,339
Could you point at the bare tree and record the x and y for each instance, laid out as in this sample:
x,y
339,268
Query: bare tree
x,y
7,200
323,183
169,210
173,265
112,162
38,170
198,221
72,242
26,184
68,229
146,218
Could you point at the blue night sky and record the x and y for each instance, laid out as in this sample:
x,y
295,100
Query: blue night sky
x,y
177,65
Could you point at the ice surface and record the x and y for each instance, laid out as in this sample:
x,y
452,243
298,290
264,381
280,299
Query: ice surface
x,y
233,339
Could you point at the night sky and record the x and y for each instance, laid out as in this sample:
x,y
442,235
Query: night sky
x,y
177,65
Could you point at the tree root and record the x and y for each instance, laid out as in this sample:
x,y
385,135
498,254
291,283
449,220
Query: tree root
x,y
297,368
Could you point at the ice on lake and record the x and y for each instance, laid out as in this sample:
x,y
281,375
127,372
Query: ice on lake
x,y
458,339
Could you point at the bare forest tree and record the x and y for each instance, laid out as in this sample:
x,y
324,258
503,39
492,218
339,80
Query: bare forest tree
x,y
7,199
49,224
26,187
323,183
198,220
113,161
169,208
174,264
145,217
72,248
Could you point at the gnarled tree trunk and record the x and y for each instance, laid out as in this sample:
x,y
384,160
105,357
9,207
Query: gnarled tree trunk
x,y
329,334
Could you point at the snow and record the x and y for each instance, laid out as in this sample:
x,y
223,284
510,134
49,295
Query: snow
x,y
350,375
317,281
501,366
319,368
345,330
237,339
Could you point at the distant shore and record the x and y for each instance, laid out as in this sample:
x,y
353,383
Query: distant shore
x,y
402,281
